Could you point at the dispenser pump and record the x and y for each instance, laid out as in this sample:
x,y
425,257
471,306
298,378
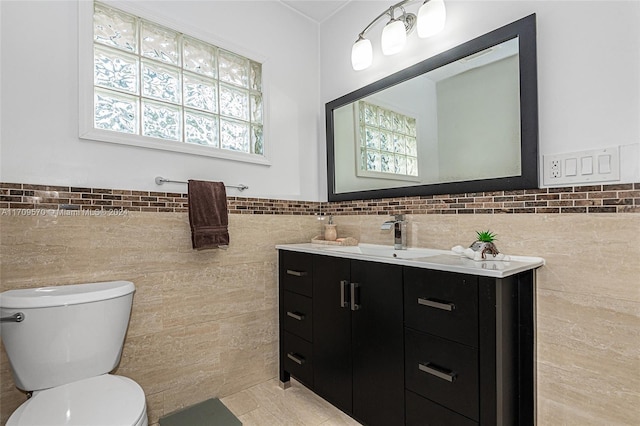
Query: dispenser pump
x,y
330,232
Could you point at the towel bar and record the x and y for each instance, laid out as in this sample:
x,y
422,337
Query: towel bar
x,y
160,180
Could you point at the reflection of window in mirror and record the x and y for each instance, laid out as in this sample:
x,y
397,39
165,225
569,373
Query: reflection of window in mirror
x,y
387,147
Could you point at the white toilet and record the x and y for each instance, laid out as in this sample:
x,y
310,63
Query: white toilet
x,y
62,342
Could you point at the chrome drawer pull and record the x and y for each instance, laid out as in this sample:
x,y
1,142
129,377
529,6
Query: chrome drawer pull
x,y
295,315
296,273
17,317
295,358
355,296
343,300
439,372
445,306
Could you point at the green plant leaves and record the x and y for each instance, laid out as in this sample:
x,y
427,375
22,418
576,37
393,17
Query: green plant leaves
x,y
486,236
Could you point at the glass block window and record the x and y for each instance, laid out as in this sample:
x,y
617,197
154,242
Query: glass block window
x,y
152,81
388,141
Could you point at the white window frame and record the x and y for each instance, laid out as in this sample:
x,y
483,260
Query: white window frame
x,y
87,131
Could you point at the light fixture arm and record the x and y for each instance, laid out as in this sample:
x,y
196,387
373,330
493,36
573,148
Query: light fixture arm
x,y
389,12
429,21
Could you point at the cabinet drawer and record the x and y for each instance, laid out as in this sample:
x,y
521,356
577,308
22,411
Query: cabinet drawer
x,y
295,272
298,358
442,371
422,412
297,314
442,303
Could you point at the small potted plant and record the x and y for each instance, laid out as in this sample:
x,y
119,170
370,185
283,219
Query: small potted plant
x,y
484,243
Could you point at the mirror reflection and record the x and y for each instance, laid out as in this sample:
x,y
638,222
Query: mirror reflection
x,y
459,122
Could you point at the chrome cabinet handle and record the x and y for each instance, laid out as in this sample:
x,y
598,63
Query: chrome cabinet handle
x,y
296,273
295,315
295,358
355,301
437,371
445,306
344,303
17,317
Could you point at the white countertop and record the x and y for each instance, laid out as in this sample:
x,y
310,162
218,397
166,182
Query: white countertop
x,y
440,260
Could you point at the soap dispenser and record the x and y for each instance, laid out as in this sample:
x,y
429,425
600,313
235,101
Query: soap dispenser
x,y
330,233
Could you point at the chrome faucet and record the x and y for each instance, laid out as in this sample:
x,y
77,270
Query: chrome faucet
x,y
399,231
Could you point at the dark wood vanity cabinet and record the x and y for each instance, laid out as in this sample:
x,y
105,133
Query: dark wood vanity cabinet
x,y
469,348
333,334
296,317
356,351
358,338
393,345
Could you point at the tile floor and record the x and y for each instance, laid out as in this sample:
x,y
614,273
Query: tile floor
x,y
267,404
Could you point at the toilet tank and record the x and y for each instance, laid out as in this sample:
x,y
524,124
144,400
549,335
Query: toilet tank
x,y
69,332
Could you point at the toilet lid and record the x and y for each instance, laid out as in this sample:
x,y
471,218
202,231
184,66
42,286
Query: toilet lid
x,y
103,400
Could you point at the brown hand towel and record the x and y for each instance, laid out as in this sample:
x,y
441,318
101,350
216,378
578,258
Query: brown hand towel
x,y
208,215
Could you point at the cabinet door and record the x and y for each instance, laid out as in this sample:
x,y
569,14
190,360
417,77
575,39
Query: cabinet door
x,y
332,331
378,341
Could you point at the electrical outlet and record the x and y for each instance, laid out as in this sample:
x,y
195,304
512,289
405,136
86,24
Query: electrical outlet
x,y
555,169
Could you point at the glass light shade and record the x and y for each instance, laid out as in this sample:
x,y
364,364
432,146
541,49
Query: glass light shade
x,y
361,54
394,37
431,18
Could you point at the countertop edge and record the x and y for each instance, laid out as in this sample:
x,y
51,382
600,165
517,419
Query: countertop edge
x,y
517,265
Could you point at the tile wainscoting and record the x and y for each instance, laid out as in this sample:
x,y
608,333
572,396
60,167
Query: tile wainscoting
x,y
617,198
204,324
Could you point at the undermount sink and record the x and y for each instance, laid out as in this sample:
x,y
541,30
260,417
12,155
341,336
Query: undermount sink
x,y
387,252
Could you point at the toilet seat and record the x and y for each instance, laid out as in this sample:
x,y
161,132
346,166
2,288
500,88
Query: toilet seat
x,y
106,400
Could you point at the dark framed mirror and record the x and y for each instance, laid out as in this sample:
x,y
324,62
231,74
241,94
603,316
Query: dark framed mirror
x,y
465,120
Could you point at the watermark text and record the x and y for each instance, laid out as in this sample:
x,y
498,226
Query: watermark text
x,y
62,212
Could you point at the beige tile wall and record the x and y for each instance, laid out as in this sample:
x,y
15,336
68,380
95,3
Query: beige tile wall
x,y
588,302
205,323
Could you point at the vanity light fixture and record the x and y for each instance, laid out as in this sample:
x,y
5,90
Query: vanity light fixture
x,y
361,54
429,21
394,34
431,18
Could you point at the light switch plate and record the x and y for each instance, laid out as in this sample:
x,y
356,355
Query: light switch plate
x,y
571,166
598,165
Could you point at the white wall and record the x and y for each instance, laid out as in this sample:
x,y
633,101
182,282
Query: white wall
x,y
588,65
588,72
39,141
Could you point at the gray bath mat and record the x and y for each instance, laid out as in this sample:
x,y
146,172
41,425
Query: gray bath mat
x,y
211,412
